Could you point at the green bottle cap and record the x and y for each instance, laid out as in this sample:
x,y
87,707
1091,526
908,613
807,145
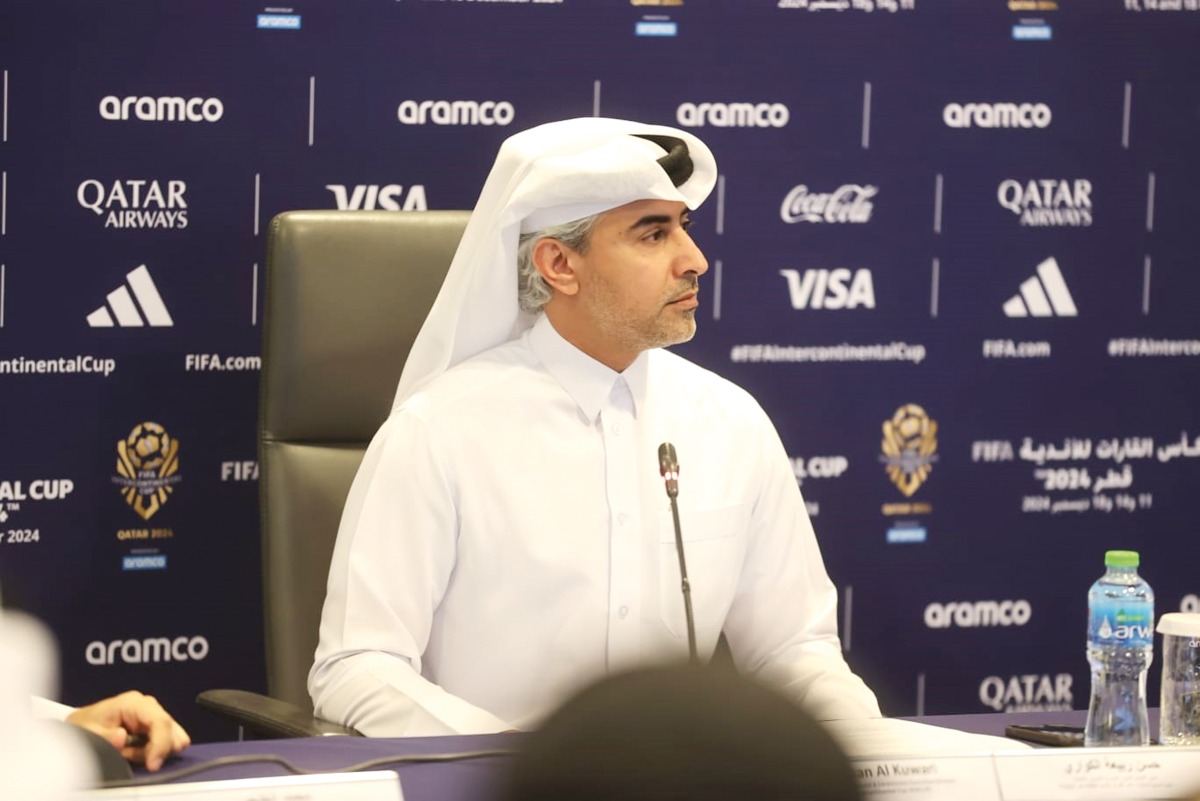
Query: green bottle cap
x,y
1121,559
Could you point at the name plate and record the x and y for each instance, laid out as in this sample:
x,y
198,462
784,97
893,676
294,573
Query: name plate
x,y
1058,774
928,778
377,785
1100,774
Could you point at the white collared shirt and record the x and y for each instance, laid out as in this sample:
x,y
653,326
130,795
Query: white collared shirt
x,y
508,539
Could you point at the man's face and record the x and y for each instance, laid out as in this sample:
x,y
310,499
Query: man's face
x,y
637,282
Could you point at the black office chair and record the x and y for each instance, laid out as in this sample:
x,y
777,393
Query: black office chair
x,y
346,293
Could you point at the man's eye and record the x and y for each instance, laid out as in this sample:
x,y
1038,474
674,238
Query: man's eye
x,y
686,224
655,235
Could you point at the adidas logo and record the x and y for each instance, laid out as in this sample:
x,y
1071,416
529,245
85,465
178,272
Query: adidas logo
x,y
153,310
1048,297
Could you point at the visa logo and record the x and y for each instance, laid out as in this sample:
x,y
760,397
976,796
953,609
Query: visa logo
x,y
830,289
374,196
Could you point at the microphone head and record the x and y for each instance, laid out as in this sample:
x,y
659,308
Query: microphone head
x,y
668,468
667,463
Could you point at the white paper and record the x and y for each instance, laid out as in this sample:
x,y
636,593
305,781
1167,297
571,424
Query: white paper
x,y
1101,774
902,760
930,778
875,737
378,785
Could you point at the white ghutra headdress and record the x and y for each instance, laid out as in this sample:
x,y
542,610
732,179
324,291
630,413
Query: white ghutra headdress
x,y
547,175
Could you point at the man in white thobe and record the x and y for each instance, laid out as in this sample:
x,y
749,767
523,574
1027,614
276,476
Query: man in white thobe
x,y
508,538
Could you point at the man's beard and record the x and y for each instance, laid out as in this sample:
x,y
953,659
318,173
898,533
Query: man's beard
x,y
668,327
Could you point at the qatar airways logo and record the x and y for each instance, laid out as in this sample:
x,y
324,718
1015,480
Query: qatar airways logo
x,y
1030,692
151,649
849,203
162,109
136,203
1048,202
973,614
455,112
997,115
732,115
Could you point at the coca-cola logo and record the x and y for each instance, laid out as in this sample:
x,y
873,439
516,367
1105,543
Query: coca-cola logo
x,y
849,203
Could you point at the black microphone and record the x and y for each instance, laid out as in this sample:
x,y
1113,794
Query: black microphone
x,y
668,467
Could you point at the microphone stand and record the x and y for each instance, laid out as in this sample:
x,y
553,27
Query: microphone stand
x,y
668,466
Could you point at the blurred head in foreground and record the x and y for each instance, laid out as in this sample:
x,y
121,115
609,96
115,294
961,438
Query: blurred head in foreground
x,y
676,734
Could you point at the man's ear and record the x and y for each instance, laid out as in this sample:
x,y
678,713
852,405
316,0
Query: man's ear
x,y
556,263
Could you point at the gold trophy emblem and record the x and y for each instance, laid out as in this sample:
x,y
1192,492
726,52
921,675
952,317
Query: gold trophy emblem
x,y
909,447
148,461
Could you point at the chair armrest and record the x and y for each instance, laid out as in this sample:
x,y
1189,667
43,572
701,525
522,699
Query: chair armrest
x,y
268,717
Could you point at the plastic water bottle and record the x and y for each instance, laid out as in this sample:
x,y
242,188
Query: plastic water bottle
x,y
1120,648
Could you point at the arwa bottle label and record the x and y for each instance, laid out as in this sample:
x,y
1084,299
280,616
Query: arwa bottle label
x,y
1120,624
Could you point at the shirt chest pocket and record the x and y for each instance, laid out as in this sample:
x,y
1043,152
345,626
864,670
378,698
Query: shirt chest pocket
x,y
713,545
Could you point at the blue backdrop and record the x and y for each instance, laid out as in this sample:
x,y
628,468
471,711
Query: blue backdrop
x,y
952,251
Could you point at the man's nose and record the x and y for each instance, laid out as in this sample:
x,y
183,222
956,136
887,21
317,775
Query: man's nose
x,y
690,258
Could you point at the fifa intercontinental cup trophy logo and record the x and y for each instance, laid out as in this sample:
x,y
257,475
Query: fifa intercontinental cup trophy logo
x,y
148,461
909,447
